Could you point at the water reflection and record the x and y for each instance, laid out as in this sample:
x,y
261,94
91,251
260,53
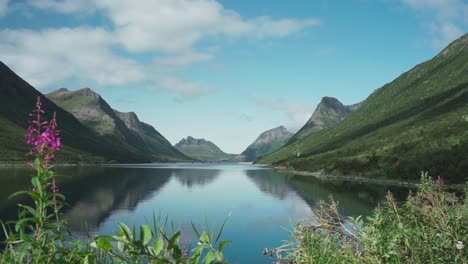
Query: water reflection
x,y
270,182
354,198
190,178
261,200
93,193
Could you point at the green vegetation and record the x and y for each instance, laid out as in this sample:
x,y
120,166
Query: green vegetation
x,y
430,227
203,150
416,122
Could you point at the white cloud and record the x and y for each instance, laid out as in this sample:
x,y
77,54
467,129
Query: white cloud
x,y
186,90
172,29
3,7
447,17
297,113
174,26
181,60
64,6
444,33
50,56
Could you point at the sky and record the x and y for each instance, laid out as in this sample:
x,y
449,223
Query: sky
x,y
223,70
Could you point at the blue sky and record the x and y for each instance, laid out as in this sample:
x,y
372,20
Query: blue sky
x,y
223,70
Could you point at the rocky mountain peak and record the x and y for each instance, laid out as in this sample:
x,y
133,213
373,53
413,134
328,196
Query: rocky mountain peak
x,y
329,112
267,142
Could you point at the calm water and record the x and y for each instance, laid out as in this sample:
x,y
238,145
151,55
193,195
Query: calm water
x,y
260,200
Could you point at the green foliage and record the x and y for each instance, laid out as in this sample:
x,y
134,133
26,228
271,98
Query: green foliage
x,y
431,226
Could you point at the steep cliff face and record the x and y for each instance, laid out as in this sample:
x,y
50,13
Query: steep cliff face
x,y
155,142
268,142
94,112
329,112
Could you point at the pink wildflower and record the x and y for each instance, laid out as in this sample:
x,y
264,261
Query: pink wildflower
x,y
43,136
439,182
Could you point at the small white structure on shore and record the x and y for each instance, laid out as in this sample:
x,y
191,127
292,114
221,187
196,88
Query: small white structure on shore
x,y
298,154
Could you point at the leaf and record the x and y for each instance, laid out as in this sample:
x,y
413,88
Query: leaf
x,y
222,227
223,244
195,229
172,243
209,258
126,231
158,245
33,195
145,234
104,242
205,238
36,183
89,259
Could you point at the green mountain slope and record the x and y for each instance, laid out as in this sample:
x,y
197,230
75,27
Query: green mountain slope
x,y
268,142
126,129
17,100
417,122
204,150
155,142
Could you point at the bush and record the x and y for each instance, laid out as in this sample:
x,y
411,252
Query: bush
x,y
430,227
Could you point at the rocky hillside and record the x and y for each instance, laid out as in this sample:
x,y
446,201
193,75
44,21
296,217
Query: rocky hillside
x,y
154,141
268,142
328,113
95,113
203,150
418,122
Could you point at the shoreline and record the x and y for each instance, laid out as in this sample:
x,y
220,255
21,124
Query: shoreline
x,y
359,179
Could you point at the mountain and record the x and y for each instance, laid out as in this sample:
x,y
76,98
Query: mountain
x,y
126,129
203,150
418,122
328,113
155,142
80,144
268,142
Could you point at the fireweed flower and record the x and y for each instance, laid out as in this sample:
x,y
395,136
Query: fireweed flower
x,y
43,136
410,194
439,182
390,197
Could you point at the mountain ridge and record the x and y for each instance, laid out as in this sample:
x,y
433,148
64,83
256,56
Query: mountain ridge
x,y
414,123
93,111
80,144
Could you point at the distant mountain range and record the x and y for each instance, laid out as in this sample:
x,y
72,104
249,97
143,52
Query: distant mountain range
x,y
418,122
268,142
91,132
204,150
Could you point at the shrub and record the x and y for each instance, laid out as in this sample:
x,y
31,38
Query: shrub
x,y
431,226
